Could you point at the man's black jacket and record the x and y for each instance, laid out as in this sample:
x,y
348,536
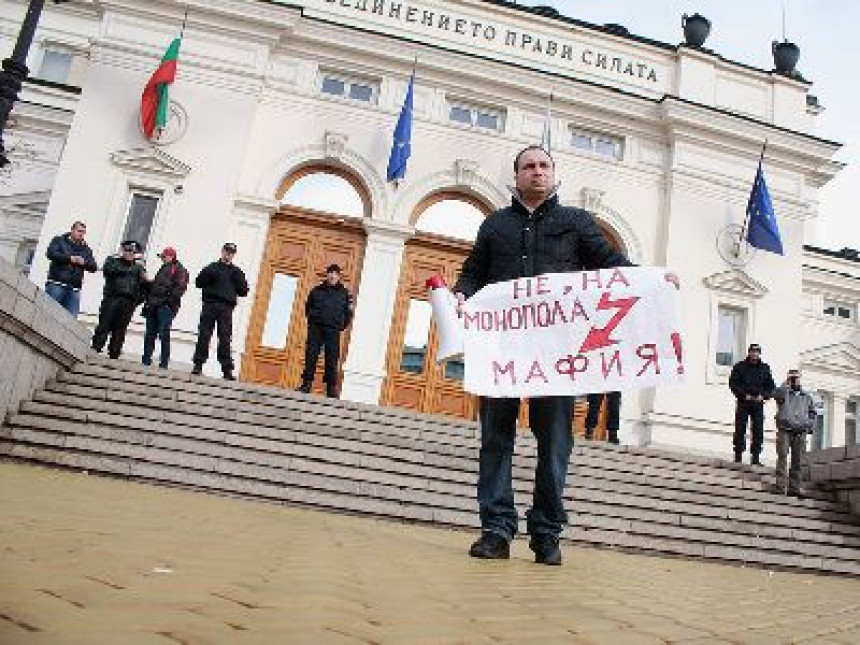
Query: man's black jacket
x,y
329,306
167,287
222,282
59,252
122,278
555,239
751,378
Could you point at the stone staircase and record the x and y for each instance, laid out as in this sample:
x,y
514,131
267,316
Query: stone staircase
x,y
118,418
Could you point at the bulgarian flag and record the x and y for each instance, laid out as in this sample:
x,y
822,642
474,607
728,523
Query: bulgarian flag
x,y
154,102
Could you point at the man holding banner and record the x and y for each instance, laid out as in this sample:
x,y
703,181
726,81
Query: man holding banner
x,y
535,235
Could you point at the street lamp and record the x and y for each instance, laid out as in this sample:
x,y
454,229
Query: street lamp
x,y
15,68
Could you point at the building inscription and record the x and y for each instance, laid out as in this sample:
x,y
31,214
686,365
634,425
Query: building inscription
x,y
506,39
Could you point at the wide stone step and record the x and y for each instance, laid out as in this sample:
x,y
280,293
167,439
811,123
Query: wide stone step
x,y
355,474
615,531
593,461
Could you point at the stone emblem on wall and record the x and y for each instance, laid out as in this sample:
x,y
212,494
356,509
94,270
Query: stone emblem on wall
x,y
177,126
335,144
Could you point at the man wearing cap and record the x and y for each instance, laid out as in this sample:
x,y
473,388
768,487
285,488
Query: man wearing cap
x,y
70,256
752,384
795,418
163,298
222,283
329,311
124,278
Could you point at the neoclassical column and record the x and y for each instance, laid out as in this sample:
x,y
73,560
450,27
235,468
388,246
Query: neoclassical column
x,y
364,368
837,420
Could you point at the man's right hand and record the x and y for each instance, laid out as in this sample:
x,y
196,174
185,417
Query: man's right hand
x,y
460,300
76,259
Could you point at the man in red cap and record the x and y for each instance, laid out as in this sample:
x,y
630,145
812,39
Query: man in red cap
x,y
164,295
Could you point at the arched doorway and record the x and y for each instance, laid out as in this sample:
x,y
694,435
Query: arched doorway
x,y
319,223
447,223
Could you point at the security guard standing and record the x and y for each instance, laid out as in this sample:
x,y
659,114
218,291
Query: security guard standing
x,y
124,277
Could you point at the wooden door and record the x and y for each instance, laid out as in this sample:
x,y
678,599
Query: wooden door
x,y
414,379
300,245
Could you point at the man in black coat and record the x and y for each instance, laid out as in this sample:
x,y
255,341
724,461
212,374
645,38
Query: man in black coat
x,y
222,283
752,384
164,295
124,278
70,256
329,311
534,235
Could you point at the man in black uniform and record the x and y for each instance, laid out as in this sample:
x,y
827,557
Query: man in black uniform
x,y
534,235
124,277
752,384
222,283
329,311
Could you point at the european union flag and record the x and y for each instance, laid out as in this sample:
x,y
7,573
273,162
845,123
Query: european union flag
x,y
401,150
762,231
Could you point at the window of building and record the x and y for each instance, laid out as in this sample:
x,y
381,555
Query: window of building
x,y
347,87
601,144
839,310
731,330
24,256
142,209
476,116
327,192
55,66
454,217
416,337
851,437
281,300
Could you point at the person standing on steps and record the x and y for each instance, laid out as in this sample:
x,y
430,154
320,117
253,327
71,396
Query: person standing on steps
x,y
534,235
795,418
222,283
164,295
752,384
329,310
70,256
124,278
613,411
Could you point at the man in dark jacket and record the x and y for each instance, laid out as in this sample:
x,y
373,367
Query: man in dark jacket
x,y
222,283
163,298
535,235
70,256
752,384
329,311
124,278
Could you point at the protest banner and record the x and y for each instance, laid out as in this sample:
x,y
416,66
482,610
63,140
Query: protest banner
x,y
573,333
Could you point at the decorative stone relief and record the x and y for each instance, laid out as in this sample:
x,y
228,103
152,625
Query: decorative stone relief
x,y
465,172
335,145
592,199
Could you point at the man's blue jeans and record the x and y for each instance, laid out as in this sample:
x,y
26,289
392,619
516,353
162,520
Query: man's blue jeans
x,y
550,420
158,323
69,298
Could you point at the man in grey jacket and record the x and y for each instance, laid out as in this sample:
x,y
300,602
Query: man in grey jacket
x,y
795,418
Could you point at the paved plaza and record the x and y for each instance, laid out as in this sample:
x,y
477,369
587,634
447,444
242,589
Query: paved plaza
x,y
87,559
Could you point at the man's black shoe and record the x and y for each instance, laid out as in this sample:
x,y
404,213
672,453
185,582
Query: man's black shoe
x,y
490,546
546,549
755,461
613,439
228,376
795,492
589,433
739,457
197,370
304,387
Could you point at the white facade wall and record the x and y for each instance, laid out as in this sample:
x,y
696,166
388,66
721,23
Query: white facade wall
x,y
248,83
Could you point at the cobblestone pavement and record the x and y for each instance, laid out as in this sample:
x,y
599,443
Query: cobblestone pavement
x,y
90,560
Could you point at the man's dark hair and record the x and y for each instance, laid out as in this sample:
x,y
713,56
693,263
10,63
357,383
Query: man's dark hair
x,y
525,150
77,223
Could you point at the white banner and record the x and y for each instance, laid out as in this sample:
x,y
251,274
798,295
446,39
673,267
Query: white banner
x,y
573,333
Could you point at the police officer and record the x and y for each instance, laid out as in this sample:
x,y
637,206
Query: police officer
x,y
752,384
222,283
124,276
329,311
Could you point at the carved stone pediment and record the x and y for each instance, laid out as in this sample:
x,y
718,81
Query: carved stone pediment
x,y
842,357
150,160
736,282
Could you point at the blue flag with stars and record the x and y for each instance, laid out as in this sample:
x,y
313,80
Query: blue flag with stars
x,y
401,149
762,231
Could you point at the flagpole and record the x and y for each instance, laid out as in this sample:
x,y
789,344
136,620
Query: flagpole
x,y
752,192
184,20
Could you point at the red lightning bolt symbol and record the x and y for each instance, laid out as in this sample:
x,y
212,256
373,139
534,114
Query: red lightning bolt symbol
x,y
598,338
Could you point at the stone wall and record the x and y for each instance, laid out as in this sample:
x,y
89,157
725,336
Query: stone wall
x,y
37,338
837,469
